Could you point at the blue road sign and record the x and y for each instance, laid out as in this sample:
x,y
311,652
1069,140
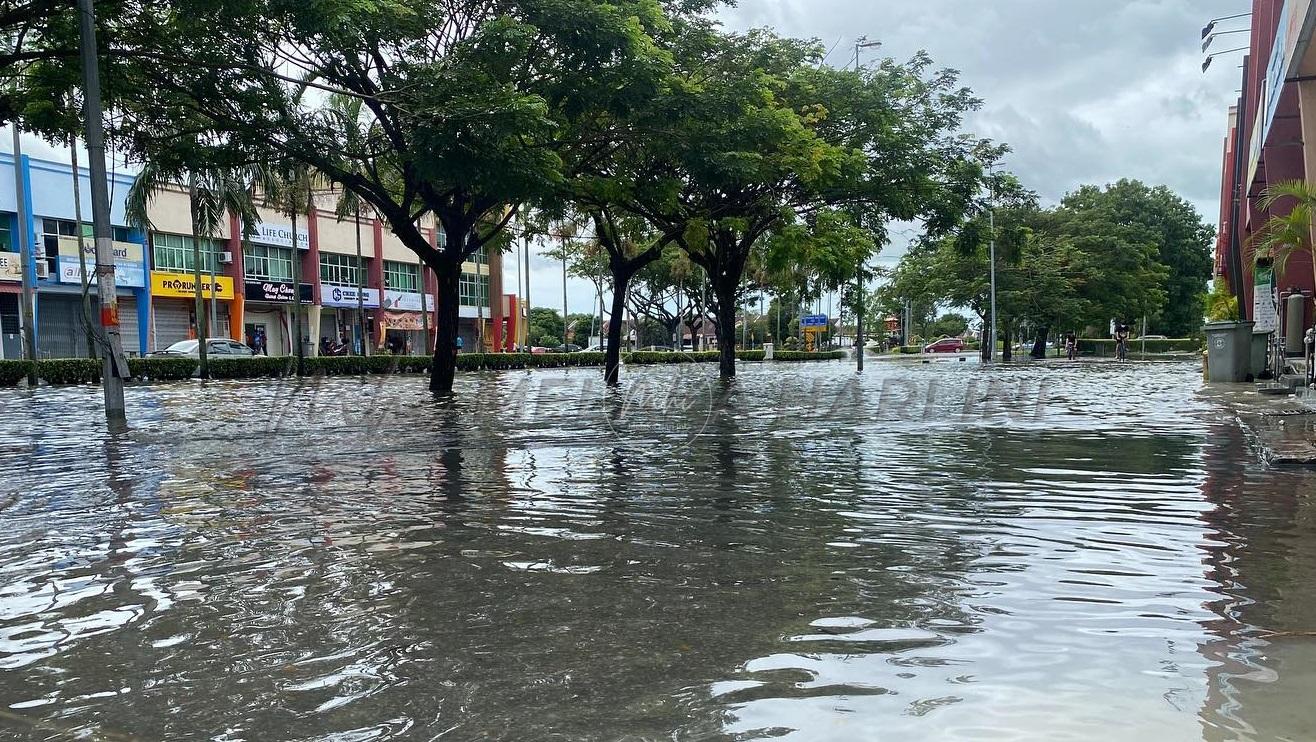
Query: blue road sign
x,y
814,320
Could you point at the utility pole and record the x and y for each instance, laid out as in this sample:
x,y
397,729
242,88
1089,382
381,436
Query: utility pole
x,y
991,217
860,43
564,291
114,367
525,323
26,260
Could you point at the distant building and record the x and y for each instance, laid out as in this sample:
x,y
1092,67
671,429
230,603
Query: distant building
x,y
1277,104
252,291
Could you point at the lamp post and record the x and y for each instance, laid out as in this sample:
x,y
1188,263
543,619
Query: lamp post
x,y
1211,38
1210,25
1207,62
860,44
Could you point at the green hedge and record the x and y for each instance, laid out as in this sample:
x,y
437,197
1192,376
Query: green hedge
x,y
910,349
162,369
12,372
1106,346
69,370
251,368
803,355
88,370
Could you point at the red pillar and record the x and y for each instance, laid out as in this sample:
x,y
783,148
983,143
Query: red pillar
x,y
376,279
312,255
513,313
496,298
236,271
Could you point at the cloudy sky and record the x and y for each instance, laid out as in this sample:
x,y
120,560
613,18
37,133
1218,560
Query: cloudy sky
x,y
1085,91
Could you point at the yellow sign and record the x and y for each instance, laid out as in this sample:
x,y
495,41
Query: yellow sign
x,y
11,266
183,286
124,252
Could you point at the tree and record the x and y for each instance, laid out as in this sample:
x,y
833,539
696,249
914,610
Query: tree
x,y
467,103
545,326
948,325
760,135
1154,216
213,192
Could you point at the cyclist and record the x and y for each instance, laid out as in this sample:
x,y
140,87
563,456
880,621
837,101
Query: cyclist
x,y
1071,345
1121,342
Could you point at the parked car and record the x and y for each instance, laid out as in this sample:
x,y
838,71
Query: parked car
x,y
567,348
214,347
539,349
945,345
597,348
656,349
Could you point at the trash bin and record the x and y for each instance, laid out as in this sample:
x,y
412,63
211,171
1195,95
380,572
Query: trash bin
x,y
1260,340
1229,351
767,351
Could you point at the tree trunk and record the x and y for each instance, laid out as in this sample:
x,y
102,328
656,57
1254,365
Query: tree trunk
x,y
444,369
726,328
612,350
1007,351
1039,343
985,350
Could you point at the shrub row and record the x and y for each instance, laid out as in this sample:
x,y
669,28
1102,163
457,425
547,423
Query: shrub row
x,y
1106,346
88,370
804,355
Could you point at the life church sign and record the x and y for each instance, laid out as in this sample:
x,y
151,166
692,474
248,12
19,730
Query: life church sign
x,y
278,235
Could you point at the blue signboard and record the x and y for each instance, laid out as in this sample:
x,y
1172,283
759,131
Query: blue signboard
x,y
813,320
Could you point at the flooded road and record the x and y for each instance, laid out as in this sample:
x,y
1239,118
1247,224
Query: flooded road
x,y
941,551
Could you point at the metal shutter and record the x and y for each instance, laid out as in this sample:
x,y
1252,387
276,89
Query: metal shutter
x,y
173,322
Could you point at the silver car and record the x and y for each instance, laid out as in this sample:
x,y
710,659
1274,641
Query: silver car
x,y
214,347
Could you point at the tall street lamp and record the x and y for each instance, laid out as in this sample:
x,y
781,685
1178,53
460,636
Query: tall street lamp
x,y
1210,25
1207,62
859,44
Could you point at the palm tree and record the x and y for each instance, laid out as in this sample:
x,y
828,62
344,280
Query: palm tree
x,y
291,187
1285,234
212,193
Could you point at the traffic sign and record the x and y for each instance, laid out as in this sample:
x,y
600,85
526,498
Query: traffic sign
x,y
813,320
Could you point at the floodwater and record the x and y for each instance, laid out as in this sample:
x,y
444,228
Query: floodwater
x,y
943,551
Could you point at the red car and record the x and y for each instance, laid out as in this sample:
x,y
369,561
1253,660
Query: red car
x,y
945,345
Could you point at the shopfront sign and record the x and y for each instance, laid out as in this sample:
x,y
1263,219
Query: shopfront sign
x,y
11,266
333,295
129,266
278,292
1265,301
402,321
279,235
183,286
406,301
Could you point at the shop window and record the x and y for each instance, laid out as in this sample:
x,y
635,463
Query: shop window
x,y
343,270
401,276
473,290
264,263
174,252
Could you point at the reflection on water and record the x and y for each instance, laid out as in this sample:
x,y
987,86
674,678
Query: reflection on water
x,y
930,551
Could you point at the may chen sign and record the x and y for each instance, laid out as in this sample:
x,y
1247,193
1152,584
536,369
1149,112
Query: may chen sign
x,y
278,292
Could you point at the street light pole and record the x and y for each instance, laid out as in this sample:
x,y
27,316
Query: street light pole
x,y
114,366
859,44
991,218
